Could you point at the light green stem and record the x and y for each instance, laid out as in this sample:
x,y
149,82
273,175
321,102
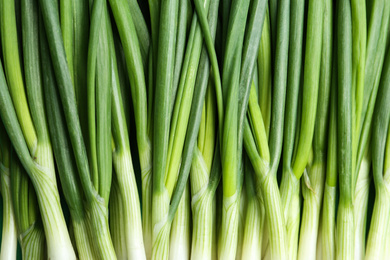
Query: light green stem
x,y
84,247
274,217
228,244
312,190
253,233
360,206
290,189
162,226
33,244
117,221
379,222
326,242
97,214
180,240
9,235
57,236
202,214
345,231
242,210
130,205
146,175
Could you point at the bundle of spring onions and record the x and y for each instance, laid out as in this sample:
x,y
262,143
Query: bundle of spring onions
x,y
195,129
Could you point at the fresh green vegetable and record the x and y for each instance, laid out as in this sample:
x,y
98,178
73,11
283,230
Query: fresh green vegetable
x,y
142,109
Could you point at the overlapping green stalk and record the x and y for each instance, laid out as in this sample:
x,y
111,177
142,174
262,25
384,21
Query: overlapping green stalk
x,y
94,169
313,181
129,227
295,118
28,220
202,189
363,112
326,244
376,242
264,152
136,73
26,125
203,185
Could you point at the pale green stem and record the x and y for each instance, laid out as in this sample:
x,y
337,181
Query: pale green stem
x,y
241,221
180,239
130,204
379,223
228,244
97,214
203,209
57,236
387,248
290,197
253,233
162,226
146,175
84,247
265,251
345,231
360,206
203,225
326,241
117,222
274,217
312,190
9,235
33,244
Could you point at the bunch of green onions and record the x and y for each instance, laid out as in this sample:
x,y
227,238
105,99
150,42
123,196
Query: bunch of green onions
x,y
195,129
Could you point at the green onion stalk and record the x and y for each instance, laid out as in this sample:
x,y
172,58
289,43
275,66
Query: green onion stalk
x,y
376,46
128,29
74,19
326,244
300,115
359,44
230,129
167,194
345,217
241,218
95,168
362,190
64,158
135,24
183,25
130,226
290,186
9,232
25,121
263,152
75,25
264,73
248,238
99,92
180,237
313,182
203,242
377,236
28,220
202,194
264,95
141,29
